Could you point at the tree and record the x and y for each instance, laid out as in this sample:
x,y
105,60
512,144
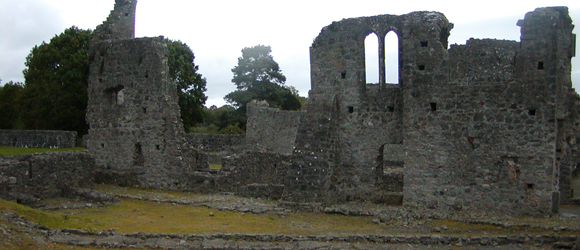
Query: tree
x,y
55,90
190,84
258,77
8,105
223,120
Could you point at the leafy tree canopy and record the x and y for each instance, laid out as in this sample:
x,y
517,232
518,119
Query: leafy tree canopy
x,y
258,77
8,109
190,84
56,77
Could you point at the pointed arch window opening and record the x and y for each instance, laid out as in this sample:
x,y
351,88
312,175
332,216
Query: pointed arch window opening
x,y
391,58
372,58
382,65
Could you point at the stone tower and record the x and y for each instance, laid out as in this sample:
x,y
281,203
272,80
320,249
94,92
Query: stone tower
x,y
135,134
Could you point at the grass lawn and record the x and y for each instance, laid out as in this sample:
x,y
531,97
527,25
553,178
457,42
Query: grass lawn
x,y
9,151
132,215
145,216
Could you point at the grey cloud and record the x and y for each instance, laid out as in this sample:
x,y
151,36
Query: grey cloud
x,y
23,24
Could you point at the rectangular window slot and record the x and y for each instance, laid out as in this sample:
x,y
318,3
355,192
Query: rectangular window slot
x,y
350,109
530,186
433,106
102,145
540,65
115,94
343,75
424,43
532,112
421,67
144,110
391,109
139,157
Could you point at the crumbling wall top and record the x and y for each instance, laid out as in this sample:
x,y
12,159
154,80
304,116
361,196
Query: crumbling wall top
x,y
120,24
360,27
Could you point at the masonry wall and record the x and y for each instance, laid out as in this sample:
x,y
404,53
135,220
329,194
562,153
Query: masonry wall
x,y
135,127
38,138
253,174
483,61
273,129
494,154
133,113
120,24
29,178
486,125
494,146
348,122
215,142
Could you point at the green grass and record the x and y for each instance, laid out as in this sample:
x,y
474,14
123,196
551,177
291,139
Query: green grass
x,y
49,219
131,215
151,217
144,216
215,166
9,151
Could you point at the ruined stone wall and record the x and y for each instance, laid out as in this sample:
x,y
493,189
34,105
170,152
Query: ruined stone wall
x,y
273,129
215,142
244,174
38,138
348,121
120,24
486,125
133,112
493,154
495,146
135,126
547,46
568,150
483,61
28,178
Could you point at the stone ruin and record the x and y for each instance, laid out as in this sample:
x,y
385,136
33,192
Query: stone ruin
x,y
135,134
492,124
487,125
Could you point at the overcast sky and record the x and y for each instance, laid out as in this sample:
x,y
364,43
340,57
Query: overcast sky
x,y
216,31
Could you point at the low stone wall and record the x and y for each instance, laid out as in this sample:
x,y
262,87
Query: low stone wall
x,y
263,191
28,178
38,138
249,174
215,142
